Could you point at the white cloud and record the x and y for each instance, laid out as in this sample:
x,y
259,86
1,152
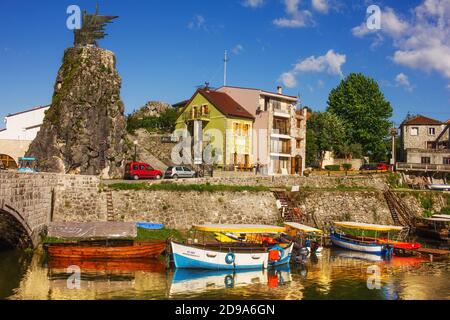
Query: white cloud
x,y
197,23
330,63
237,49
321,6
288,80
296,18
402,80
423,40
253,3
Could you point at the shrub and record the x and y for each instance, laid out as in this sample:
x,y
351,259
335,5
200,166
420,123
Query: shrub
x,y
333,168
445,210
427,203
347,166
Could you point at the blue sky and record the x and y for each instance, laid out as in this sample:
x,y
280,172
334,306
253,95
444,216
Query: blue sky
x,y
165,49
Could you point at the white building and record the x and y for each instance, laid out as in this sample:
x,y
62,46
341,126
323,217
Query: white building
x,y
21,129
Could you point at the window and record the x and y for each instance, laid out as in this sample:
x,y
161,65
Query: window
x,y
276,104
426,160
266,104
246,129
299,143
142,167
415,131
446,161
299,123
135,167
431,131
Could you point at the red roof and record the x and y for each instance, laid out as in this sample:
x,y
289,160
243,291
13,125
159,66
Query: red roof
x,y
421,120
263,91
225,104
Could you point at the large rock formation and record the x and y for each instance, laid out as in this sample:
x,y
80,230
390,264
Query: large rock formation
x,y
84,130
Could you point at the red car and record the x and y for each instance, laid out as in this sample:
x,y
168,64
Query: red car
x,y
140,170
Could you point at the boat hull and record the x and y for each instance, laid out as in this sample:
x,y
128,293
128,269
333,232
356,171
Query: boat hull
x,y
357,246
191,257
137,250
285,256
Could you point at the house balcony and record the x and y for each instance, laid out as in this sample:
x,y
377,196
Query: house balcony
x,y
197,116
284,151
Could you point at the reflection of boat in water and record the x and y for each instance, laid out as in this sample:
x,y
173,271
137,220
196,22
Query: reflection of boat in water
x,y
186,281
344,254
145,265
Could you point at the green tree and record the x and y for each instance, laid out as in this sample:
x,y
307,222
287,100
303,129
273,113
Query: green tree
x,y
360,104
326,132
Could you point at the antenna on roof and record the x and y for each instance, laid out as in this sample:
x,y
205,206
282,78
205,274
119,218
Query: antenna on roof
x,y
225,60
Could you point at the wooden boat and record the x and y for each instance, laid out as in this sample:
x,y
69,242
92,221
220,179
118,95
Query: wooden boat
x,y
306,236
231,256
101,250
367,238
436,228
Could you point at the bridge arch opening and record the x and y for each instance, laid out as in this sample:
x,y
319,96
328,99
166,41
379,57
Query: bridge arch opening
x,y
13,233
8,162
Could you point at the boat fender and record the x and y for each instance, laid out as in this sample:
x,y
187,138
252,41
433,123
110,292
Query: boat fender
x,y
230,258
229,282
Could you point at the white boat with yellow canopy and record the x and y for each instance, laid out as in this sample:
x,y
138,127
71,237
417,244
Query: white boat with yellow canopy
x,y
306,236
226,256
364,237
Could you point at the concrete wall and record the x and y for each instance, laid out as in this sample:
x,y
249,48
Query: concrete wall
x,y
420,141
24,125
436,157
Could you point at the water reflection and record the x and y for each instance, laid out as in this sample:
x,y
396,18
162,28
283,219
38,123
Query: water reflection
x,y
186,282
336,274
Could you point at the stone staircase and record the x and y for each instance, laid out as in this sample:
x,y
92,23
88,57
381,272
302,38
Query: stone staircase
x,y
289,212
401,215
110,207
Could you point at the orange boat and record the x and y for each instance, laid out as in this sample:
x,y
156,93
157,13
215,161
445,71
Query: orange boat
x,y
104,250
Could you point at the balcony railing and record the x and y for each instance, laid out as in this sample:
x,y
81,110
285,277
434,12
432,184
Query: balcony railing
x,y
193,116
282,150
423,167
283,131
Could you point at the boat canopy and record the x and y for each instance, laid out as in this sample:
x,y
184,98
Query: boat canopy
x,y
239,228
302,227
441,216
367,226
447,220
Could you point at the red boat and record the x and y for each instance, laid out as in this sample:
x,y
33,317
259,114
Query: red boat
x,y
105,250
401,245
134,265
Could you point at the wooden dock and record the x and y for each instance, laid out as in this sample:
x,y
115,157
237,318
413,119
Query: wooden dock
x,y
431,253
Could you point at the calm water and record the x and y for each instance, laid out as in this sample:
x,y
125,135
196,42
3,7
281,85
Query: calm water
x,y
335,275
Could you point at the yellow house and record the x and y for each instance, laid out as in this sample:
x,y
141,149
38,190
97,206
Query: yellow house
x,y
220,127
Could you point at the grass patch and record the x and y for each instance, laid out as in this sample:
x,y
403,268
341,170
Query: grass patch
x,y
186,187
154,235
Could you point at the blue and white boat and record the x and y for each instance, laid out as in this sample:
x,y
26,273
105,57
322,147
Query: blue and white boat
x,y
232,256
366,240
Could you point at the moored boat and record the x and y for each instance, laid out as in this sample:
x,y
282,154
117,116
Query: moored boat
x,y
233,255
100,250
306,236
364,237
437,228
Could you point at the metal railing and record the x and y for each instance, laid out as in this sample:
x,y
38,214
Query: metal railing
x,y
401,166
192,116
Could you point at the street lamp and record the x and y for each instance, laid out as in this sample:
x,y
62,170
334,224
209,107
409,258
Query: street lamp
x,y
135,150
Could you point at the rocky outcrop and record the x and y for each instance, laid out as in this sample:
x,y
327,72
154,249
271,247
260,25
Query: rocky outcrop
x,y
84,130
151,109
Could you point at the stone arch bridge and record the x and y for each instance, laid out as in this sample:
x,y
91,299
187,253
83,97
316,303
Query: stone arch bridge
x,y
27,204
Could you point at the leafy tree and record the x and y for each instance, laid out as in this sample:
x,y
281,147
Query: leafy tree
x,y
360,104
165,122
326,132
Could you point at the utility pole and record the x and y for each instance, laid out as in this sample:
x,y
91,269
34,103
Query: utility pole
x,y
394,133
225,60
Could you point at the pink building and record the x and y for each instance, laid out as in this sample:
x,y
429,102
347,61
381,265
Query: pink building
x,y
279,138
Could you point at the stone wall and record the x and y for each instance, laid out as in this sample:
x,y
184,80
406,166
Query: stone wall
x,y
414,201
359,206
180,210
377,182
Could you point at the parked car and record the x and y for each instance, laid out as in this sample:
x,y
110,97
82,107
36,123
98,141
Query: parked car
x,y
140,170
369,167
179,172
375,167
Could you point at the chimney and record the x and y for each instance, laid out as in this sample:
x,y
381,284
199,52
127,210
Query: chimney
x,y
280,90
